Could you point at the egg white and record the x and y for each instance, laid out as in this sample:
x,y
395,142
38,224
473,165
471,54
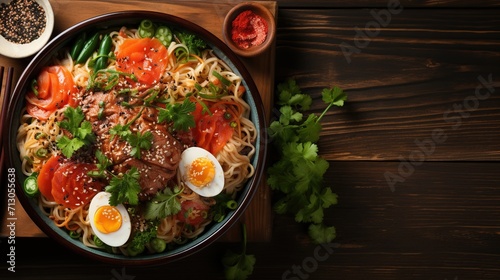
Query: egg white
x,y
113,239
213,188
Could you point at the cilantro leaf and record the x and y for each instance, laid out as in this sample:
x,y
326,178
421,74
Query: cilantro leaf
x,y
335,96
73,119
69,146
328,198
180,114
321,233
291,95
289,115
80,129
125,188
297,174
282,133
310,129
102,165
238,266
139,142
119,130
164,204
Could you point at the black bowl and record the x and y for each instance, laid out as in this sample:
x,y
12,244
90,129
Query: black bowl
x,y
118,19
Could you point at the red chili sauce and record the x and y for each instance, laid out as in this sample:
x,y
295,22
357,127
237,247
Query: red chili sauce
x,y
249,30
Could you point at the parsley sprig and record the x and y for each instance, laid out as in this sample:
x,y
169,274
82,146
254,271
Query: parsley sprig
x,y
124,188
238,266
298,173
139,141
178,113
164,204
81,131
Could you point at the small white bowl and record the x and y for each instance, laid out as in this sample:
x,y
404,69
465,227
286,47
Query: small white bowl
x,y
15,50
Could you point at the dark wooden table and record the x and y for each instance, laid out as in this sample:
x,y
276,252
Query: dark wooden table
x,y
414,154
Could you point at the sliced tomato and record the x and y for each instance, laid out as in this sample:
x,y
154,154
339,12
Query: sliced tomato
x,y
72,187
213,131
146,58
45,176
55,88
193,212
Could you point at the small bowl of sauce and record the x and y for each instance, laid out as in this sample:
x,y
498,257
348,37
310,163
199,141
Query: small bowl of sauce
x,y
249,29
25,26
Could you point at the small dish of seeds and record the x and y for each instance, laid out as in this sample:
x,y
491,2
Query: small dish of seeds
x,y
25,26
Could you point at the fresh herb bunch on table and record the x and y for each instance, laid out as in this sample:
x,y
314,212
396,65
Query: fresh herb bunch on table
x,y
297,175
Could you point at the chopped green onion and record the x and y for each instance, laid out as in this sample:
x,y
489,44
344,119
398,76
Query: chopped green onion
x,y
30,185
164,34
40,136
28,159
98,242
233,124
224,81
41,153
227,115
232,204
204,106
218,217
198,87
146,29
74,234
34,84
100,113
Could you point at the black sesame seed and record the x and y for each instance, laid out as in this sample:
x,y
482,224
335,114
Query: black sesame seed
x,y
22,21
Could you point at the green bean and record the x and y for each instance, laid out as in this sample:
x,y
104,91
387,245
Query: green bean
x,y
88,49
102,55
146,29
164,34
78,46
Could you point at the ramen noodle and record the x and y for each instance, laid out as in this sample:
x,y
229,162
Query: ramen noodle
x,y
126,95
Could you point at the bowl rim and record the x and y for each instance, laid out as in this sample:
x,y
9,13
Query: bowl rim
x,y
115,19
14,50
259,9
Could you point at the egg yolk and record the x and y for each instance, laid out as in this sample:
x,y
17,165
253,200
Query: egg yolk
x,y
201,172
107,219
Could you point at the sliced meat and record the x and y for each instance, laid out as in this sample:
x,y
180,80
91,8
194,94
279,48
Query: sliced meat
x,y
157,165
153,178
165,149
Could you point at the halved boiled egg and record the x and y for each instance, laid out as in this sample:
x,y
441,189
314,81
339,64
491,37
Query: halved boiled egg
x,y
110,223
201,172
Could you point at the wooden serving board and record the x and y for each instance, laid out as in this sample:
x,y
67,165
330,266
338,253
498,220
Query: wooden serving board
x,y
210,15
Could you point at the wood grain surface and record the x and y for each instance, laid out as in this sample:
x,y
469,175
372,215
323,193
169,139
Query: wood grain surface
x,y
413,116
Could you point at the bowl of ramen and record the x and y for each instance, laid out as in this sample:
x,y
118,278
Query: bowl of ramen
x,y
136,138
